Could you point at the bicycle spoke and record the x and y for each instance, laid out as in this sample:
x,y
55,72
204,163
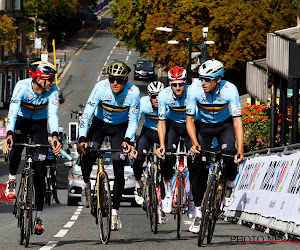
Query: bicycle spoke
x,y
179,204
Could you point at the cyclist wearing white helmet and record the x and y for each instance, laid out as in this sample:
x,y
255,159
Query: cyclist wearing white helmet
x,y
34,101
209,100
149,136
171,126
114,105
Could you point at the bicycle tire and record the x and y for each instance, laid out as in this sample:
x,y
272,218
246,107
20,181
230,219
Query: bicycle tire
x,y
215,205
28,211
104,207
153,206
206,209
48,192
179,204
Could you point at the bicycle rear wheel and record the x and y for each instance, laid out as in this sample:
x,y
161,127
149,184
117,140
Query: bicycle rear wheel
x,y
104,207
179,204
27,213
206,209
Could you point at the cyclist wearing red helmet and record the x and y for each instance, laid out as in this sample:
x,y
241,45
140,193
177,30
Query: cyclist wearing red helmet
x,y
171,126
33,101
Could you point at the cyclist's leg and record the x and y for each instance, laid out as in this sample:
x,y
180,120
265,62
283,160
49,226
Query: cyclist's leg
x,y
226,140
40,136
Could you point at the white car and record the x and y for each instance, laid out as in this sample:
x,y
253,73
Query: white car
x,y
75,181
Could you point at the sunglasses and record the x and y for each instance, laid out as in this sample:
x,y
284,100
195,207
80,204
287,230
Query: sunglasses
x,y
153,96
118,80
207,79
50,79
175,84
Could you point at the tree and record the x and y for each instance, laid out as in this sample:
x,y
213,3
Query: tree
x,y
8,35
238,27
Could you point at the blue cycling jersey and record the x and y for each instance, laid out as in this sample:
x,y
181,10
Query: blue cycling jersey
x,y
26,103
151,114
213,108
51,155
112,108
176,105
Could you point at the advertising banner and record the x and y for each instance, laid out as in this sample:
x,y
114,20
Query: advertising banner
x,y
269,186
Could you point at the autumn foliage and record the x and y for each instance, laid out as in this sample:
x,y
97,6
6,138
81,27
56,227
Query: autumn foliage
x,y
8,35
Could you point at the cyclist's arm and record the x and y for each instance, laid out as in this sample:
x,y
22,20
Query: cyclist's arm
x,y
14,107
239,132
161,130
133,117
161,125
64,153
92,102
191,129
53,103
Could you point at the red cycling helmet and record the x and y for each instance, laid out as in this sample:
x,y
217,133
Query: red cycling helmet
x,y
177,73
41,69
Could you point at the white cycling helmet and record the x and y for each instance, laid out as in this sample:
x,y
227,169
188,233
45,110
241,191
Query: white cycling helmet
x,y
155,87
211,69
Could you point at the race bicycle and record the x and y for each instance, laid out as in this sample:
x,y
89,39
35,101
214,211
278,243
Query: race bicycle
x,y
214,195
101,201
25,202
49,187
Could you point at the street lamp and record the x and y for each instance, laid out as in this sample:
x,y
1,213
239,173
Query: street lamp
x,y
204,48
189,71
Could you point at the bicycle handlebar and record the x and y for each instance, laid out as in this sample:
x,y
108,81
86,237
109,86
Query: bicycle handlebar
x,y
32,145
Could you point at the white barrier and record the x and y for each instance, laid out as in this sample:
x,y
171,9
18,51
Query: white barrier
x,y
267,192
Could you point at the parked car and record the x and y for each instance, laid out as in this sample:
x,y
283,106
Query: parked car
x,y
90,19
76,183
144,69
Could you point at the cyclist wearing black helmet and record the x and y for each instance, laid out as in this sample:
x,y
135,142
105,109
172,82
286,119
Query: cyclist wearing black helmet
x,y
114,105
33,101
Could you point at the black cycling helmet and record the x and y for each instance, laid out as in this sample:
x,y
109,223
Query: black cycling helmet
x,y
118,68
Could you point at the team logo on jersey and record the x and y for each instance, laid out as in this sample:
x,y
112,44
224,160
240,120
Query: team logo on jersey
x,y
225,86
220,96
135,111
106,85
123,98
108,96
10,113
204,95
130,89
55,102
238,112
172,100
151,110
27,85
168,90
91,104
84,116
199,84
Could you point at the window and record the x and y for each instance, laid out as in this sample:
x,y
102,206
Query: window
x,y
17,4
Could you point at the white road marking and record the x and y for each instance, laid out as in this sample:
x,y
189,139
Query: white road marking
x,y
69,224
74,217
77,212
49,245
61,233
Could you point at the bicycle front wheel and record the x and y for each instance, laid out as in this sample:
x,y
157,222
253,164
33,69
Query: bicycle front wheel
x,y
217,195
206,209
104,207
179,204
153,205
27,213
48,192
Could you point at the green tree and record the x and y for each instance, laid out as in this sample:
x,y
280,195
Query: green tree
x,y
8,35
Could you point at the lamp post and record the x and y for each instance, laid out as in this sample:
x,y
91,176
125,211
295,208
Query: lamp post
x,y
189,71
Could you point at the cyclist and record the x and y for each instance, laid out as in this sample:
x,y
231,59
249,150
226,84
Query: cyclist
x,y
209,99
171,127
33,101
114,102
51,162
149,136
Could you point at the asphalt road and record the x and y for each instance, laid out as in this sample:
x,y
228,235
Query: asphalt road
x,y
73,227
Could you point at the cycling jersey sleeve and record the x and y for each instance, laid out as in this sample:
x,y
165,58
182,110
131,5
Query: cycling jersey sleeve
x,y
88,112
133,116
14,107
191,100
161,106
53,120
64,153
235,104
